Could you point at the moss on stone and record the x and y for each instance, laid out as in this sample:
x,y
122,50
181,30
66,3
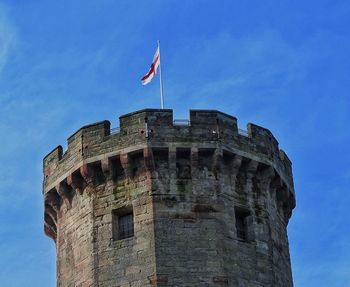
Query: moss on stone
x,y
117,190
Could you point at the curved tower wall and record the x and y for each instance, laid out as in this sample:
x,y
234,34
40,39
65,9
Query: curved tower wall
x,y
210,204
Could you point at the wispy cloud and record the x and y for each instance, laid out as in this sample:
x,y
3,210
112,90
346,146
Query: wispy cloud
x,y
246,73
8,36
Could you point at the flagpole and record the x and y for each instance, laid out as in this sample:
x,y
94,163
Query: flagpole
x,y
160,79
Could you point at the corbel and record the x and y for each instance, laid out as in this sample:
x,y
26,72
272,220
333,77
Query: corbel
x,y
76,183
125,163
62,190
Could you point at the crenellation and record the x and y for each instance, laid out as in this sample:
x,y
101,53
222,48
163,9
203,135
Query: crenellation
x,y
141,125
264,140
211,117
51,161
95,140
209,206
87,139
285,165
283,156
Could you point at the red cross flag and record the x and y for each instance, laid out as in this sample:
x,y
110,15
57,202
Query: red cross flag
x,y
153,69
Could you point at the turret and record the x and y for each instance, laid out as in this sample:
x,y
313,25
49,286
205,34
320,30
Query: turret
x,y
163,202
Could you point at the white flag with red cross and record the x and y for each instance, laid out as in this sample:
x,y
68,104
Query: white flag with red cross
x,y
153,69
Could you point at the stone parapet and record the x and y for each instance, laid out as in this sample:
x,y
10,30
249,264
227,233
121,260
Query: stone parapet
x,y
154,127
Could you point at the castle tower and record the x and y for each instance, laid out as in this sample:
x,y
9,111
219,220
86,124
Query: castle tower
x,y
170,203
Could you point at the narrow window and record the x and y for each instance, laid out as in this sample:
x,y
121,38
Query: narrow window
x,y
123,224
241,224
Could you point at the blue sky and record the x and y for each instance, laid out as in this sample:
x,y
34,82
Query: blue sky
x,y
280,64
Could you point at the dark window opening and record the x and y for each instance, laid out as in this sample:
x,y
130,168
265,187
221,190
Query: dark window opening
x,y
161,158
241,228
205,158
241,178
97,172
227,158
117,169
123,224
137,163
183,163
241,224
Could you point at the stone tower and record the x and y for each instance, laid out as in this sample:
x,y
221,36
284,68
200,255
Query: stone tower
x,y
170,203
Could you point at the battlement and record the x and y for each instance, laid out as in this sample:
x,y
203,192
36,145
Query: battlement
x,y
157,127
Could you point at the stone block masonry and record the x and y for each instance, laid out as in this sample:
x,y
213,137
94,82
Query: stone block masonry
x,y
159,204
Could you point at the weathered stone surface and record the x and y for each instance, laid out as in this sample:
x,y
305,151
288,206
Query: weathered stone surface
x,y
210,206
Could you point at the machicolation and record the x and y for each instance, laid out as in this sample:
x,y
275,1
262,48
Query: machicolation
x,y
170,203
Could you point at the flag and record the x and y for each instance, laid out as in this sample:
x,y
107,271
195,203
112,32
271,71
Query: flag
x,y
153,69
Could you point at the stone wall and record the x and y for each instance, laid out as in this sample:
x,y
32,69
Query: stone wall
x,y
189,187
